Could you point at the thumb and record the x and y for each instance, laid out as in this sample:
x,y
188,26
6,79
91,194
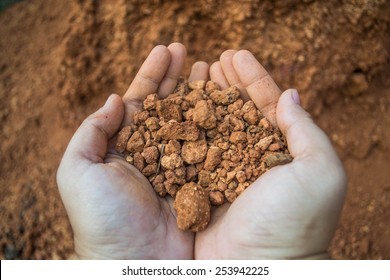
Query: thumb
x,y
90,142
304,137
307,143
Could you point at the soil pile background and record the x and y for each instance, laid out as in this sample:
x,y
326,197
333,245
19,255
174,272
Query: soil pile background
x,y
61,59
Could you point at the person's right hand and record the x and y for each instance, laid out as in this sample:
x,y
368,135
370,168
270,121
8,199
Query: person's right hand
x,y
292,210
113,209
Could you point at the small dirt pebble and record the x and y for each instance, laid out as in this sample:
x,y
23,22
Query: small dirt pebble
x,y
201,145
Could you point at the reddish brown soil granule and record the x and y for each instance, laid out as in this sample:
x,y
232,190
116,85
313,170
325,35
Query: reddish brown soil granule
x,y
205,140
192,205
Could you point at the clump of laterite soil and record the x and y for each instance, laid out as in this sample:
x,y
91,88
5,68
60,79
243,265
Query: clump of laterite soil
x,y
201,145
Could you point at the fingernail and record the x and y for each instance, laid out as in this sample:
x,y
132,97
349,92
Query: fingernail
x,y
246,57
295,96
109,100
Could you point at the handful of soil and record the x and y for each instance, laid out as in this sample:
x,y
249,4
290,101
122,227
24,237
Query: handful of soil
x,y
201,145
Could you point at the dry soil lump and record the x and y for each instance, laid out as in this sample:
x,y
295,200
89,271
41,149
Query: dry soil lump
x,y
192,205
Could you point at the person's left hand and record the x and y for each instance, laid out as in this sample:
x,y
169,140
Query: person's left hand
x,y
291,211
113,209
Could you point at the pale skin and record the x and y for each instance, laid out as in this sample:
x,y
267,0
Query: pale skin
x,y
289,212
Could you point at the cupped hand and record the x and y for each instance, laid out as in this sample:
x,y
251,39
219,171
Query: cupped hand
x,y
113,209
292,210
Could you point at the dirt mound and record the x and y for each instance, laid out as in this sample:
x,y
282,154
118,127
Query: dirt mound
x,y
60,60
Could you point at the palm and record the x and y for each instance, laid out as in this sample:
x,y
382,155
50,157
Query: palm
x,y
128,219
273,218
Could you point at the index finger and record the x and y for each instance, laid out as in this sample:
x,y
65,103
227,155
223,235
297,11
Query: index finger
x,y
149,75
146,81
260,86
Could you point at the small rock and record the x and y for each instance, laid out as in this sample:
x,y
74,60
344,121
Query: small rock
x,y
241,176
139,161
150,169
204,179
168,110
264,123
150,101
173,147
194,151
264,143
235,106
212,86
238,137
179,131
123,138
150,154
171,189
192,205
274,147
204,115
197,84
194,96
225,97
213,158
191,173
136,143
241,188
216,198
274,158
160,189
237,123
130,159
230,195
152,123
221,186
173,178
171,161
252,117
140,117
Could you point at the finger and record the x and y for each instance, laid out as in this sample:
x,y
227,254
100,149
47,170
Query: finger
x,y
89,143
199,71
258,83
304,138
149,76
169,82
231,74
217,75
